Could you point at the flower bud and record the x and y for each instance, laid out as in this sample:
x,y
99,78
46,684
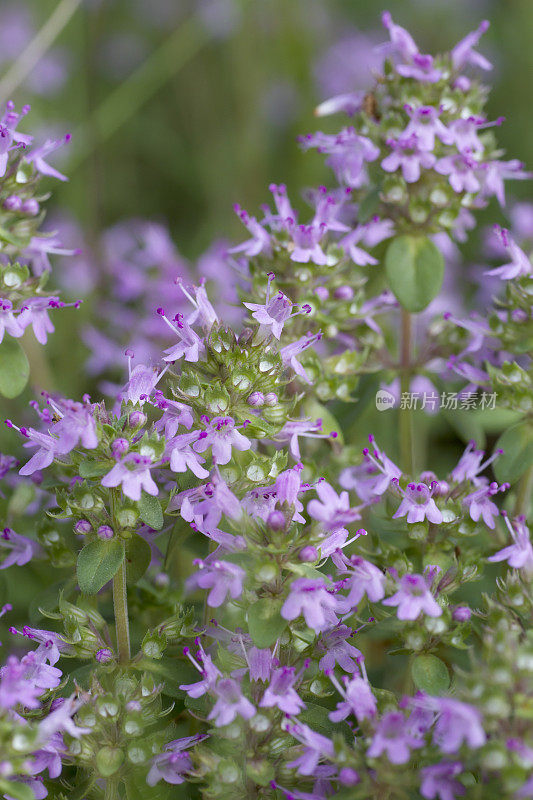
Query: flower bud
x,y
104,656
30,207
137,419
256,399
120,446
343,293
308,553
461,613
276,520
105,532
109,760
322,293
83,526
12,203
162,580
271,399
348,776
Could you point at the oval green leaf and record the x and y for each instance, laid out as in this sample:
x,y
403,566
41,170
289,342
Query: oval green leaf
x,y
138,557
430,674
265,622
415,269
98,562
517,456
14,368
151,511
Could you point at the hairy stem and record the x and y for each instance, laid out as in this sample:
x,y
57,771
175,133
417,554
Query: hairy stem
x,y
406,413
120,605
524,494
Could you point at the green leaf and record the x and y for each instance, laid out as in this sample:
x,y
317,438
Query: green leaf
x,y
151,511
430,674
14,368
415,270
109,760
517,456
93,469
16,789
98,562
138,557
265,622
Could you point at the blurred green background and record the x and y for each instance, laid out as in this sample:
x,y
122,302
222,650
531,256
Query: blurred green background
x,y
179,108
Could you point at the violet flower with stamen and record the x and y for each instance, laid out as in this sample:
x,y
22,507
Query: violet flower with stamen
x,y
417,503
414,598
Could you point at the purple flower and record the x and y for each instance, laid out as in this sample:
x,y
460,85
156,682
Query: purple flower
x,y
409,156
413,598
332,510
221,436
479,503
471,463
223,579
142,382
132,473
45,454
457,722
464,54
8,322
519,264
289,354
9,136
311,598
372,477
260,241
75,426
357,254
461,169
34,312
421,69
518,555
15,688
316,747
273,313
174,415
425,125
337,649
20,548
173,761
394,738
182,457
280,692
438,781
190,346
401,42
60,719
209,672
363,578
230,703
38,155
417,503
358,699
348,154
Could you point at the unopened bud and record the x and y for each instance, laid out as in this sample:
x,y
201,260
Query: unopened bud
x,y
82,526
276,520
348,776
256,399
120,446
137,419
12,203
271,399
343,293
461,614
104,656
30,207
308,553
105,532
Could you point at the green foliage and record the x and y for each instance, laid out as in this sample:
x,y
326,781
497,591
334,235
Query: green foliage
x,y
517,456
14,368
430,674
415,270
98,562
265,622
151,511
